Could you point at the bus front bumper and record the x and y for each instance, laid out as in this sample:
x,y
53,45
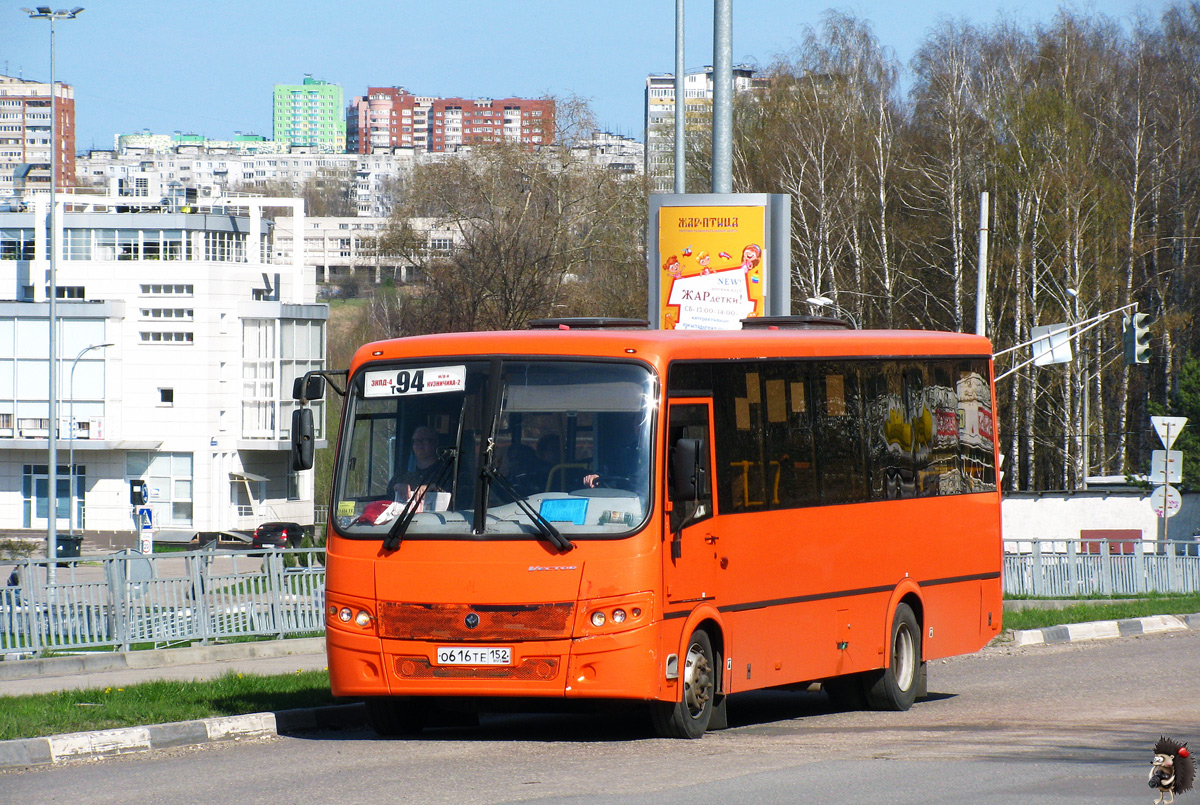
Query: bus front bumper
x,y
623,665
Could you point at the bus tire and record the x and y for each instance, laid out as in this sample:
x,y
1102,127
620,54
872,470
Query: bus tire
x,y
895,687
395,717
690,716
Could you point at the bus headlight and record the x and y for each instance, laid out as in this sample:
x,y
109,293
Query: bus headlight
x,y
362,618
608,615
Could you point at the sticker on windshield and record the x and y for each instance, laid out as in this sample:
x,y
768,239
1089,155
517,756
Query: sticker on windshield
x,y
406,382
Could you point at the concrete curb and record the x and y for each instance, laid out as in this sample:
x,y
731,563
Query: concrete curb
x,y
54,749
1104,630
136,660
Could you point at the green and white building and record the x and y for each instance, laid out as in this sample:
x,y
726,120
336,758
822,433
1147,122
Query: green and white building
x,y
310,114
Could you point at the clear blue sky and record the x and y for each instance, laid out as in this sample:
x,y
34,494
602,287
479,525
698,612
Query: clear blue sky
x,y
208,67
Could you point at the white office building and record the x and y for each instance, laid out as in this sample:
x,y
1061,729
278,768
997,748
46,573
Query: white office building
x,y
342,248
177,341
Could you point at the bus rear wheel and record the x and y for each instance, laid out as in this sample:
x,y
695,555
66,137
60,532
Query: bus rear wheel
x,y
689,717
895,687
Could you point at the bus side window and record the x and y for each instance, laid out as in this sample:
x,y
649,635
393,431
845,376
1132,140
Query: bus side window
x,y
839,435
690,422
789,438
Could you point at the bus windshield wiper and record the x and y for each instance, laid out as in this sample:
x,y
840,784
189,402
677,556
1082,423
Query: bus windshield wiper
x,y
437,475
544,526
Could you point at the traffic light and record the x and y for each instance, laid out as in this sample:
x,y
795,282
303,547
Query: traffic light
x,y
1136,334
137,493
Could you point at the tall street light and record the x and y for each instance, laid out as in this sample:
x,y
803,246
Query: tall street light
x,y
44,13
825,301
71,433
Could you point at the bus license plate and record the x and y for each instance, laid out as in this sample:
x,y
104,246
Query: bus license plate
x,y
474,655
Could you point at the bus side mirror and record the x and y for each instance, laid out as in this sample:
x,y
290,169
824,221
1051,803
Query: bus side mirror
x,y
303,445
685,470
308,387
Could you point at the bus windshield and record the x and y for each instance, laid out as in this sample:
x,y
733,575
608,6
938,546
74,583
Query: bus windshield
x,y
503,448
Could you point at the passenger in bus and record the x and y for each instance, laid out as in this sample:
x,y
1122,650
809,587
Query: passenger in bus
x,y
549,450
523,469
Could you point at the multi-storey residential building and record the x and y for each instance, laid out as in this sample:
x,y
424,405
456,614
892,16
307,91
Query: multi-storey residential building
x,y
208,172
144,142
392,117
178,341
310,114
25,135
457,122
624,156
386,118
660,117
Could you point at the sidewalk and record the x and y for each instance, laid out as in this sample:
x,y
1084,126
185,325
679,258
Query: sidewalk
x,y
117,669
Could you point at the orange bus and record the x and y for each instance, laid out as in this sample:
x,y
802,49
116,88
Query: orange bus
x,y
595,513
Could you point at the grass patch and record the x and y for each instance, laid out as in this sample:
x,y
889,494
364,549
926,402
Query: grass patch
x,y
159,702
1084,612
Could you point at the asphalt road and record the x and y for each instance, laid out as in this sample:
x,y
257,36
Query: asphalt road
x,y
1044,724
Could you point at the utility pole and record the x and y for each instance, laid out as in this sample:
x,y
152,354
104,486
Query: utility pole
x,y
722,120
680,104
44,13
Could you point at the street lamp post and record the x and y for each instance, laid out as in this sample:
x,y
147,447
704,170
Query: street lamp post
x,y
825,301
71,434
45,13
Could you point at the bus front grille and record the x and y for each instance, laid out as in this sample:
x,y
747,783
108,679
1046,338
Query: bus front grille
x,y
475,621
530,668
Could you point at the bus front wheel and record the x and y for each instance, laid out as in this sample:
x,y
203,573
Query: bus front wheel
x,y
895,687
689,717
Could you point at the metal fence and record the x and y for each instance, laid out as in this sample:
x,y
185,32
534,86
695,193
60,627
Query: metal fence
x,y
1065,568
127,599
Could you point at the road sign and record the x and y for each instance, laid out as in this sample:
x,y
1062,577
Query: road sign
x,y
1166,499
1166,466
1051,344
1168,427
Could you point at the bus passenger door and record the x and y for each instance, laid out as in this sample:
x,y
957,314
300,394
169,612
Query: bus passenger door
x,y
690,571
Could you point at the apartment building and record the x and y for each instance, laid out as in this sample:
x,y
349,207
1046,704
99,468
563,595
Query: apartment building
x,y
208,172
392,117
310,114
25,150
660,116
178,339
458,122
386,118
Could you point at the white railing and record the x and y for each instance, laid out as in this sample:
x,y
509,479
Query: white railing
x,y
1066,568
127,599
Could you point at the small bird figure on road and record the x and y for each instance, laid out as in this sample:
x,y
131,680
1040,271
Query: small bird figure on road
x,y
1172,771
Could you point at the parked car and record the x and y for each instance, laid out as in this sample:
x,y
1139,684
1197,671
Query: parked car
x,y
278,535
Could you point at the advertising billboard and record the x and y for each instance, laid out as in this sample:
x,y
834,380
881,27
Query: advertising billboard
x,y
717,259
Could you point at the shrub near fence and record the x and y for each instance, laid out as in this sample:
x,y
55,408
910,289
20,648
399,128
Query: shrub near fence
x,y
1066,568
127,598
